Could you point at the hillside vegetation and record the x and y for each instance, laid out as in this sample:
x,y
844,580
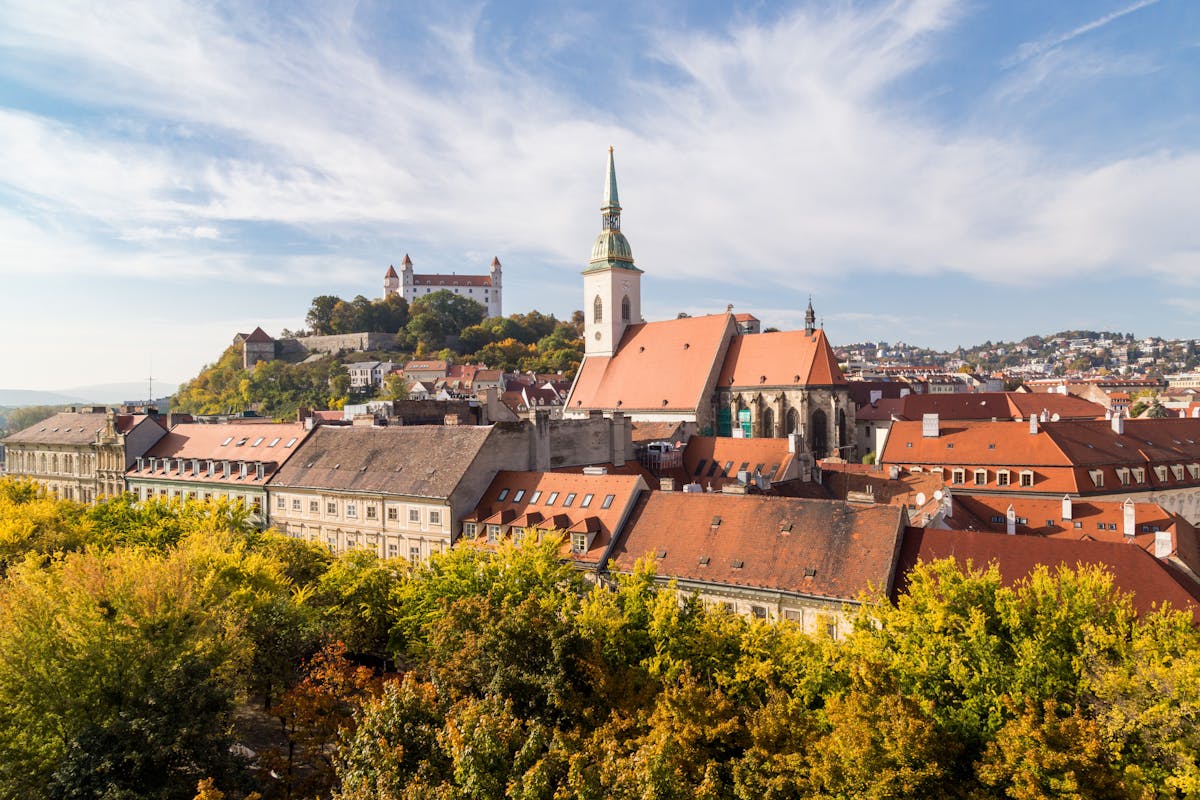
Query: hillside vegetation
x,y
136,640
439,325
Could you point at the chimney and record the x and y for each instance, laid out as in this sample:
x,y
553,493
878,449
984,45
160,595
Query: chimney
x,y
616,438
793,442
1118,423
666,484
930,426
1033,424
1010,521
948,503
876,396
1045,415
1129,515
1163,546
540,444
1066,507
1108,413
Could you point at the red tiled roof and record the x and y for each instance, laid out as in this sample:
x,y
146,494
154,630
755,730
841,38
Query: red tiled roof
x,y
658,366
1061,454
783,358
391,273
656,431
1150,581
272,443
715,461
258,335
808,547
540,499
424,366
984,406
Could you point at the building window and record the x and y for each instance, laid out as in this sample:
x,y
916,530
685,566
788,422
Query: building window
x,y
469,529
296,504
414,515
435,518
587,501
554,496
393,514
414,553
256,505
351,510
598,310
1002,477
625,309
958,476
517,497
608,501
1027,477
1123,475
759,612
279,503
533,498
493,533
371,512
314,506
503,495
331,508
981,477
579,543
1097,477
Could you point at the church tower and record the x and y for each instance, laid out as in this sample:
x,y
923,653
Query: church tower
x,y
612,285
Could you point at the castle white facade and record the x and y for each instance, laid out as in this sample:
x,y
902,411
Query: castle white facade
x,y
483,289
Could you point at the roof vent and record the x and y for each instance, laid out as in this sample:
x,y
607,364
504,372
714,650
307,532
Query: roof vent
x,y
662,553
810,572
785,527
738,564
704,561
686,345
716,522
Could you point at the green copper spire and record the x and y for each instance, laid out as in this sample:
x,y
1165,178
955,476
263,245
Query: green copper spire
x,y
611,248
611,203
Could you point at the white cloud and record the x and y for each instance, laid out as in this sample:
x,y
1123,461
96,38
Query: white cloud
x,y
774,154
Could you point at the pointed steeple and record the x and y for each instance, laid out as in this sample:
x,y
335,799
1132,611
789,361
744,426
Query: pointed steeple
x,y
810,317
612,205
611,248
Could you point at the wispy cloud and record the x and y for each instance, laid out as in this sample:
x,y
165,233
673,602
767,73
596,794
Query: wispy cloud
x,y
1030,50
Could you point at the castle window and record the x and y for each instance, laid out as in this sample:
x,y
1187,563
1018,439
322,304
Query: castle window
x,y
598,310
625,309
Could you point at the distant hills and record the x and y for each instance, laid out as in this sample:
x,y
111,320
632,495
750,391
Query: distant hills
x,y
107,394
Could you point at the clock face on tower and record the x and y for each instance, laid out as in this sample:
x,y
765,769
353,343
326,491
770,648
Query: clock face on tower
x,y
597,336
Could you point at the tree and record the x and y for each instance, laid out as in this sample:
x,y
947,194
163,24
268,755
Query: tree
x,y
320,315
395,387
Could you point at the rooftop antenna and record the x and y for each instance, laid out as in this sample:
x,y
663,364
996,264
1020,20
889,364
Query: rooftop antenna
x,y
150,381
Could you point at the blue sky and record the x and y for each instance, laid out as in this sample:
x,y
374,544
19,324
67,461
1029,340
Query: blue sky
x,y
940,172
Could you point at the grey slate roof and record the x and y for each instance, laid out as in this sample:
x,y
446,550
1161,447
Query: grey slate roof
x,y
63,428
416,461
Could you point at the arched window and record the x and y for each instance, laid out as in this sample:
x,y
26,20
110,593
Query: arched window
x,y
793,421
768,423
625,309
598,310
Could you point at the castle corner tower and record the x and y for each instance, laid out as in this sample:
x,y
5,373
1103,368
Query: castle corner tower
x,y
612,285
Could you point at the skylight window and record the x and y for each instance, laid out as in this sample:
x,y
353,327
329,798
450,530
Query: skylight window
x,y
608,500
227,441
242,441
291,441
258,441
503,494
274,442
517,497
554,497
537,495
587,501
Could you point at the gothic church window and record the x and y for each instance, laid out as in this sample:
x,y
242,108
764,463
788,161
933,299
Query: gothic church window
x,y
625,309
598,310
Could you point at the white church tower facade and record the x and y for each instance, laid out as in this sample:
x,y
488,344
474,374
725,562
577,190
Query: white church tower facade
x,y
612,285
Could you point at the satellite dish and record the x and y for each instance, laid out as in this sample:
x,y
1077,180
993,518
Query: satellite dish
x,y
937,495
920,498
1054,417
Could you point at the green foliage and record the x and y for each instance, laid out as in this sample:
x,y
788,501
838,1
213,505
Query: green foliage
x,y
129,633
18,419
329,314
276,389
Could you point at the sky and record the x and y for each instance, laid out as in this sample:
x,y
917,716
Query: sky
x,y
938,172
